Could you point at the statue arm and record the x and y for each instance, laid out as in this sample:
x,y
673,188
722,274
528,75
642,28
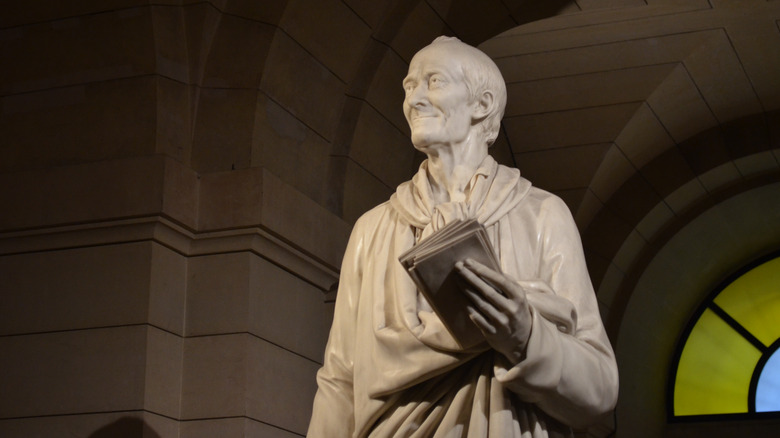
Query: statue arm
x,y
333,413
570,373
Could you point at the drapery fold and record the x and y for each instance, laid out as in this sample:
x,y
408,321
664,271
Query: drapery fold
x,y
392,369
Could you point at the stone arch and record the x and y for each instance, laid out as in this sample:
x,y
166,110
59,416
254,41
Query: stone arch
x,y
707,169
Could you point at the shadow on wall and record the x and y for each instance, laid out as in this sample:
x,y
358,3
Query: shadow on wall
x,y
127,427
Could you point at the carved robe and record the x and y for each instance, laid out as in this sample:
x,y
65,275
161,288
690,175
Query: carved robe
x,y
392,370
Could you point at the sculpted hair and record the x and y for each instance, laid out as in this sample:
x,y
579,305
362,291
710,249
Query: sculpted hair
x,y
480,74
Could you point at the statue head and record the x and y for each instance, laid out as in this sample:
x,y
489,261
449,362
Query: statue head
x,y
468,68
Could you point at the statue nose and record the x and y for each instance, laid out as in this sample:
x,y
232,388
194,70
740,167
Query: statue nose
x,y
417,96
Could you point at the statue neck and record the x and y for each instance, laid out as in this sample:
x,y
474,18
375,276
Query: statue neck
x,y
450,170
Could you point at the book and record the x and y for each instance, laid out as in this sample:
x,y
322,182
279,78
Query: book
x,y
431,264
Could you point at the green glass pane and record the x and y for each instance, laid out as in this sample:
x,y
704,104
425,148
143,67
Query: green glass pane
x,y
713,375
754,301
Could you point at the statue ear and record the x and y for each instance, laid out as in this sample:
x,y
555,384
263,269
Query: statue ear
x,y
483,105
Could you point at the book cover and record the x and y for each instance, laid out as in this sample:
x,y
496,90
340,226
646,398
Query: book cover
x,y
431,264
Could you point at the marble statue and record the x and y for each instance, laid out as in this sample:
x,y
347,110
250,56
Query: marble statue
x,y
391,369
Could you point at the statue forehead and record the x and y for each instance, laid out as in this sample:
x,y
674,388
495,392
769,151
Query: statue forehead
x,y
444,52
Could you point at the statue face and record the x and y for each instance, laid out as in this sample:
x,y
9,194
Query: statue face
x,y
437,104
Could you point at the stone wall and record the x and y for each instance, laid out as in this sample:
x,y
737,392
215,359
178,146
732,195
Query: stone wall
x,y
136,290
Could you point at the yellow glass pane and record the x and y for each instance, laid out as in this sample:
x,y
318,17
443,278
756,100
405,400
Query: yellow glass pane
x,y
754,301
713,375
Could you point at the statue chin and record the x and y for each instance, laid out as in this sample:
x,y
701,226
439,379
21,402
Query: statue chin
x,y
421,142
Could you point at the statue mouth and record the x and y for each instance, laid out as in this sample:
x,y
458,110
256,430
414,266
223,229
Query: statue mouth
x,y
423,116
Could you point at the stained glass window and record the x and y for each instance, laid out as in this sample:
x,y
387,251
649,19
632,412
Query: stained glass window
x,y
729,362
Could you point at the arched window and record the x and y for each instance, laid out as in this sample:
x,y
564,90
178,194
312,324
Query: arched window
x,y
728,364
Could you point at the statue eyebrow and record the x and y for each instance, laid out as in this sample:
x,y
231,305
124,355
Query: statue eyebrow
x,y
438,71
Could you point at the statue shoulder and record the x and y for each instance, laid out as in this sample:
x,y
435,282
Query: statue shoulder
x,y
548,205
370,220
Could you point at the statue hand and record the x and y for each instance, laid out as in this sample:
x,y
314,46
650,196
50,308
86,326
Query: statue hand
x,y
499,308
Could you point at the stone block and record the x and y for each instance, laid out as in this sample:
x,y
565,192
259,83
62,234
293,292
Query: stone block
x,y
266,12
114,425
286,311
303,85
462,17
222,138
705,150
180,193
587,5
230,199
289,149
746,136
257,197
685,196
635,198
201,20
82,193
170,43
720,78
597,267
218,427
755,42
167,289
609,286
174,120
757,163
667,171
680,107
643,137
217,294
96,370
373,12
382,149
629,251
238,53
47,10
256,429
561,169
329,30
162,377
584,90
271,373
385,93
655,220
232,428
299,220
606,26
79,123
605,236
158,426
75,288
214,380
77,50
588,207
577,59
720,176
241,292
572,127
420,27
613,171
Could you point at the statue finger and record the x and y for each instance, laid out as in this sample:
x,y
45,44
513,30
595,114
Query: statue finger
x,y
487,309
480,321
496,296
498,279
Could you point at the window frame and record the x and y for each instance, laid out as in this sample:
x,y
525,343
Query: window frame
x,y
766,353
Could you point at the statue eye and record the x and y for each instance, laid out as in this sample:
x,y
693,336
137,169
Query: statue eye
x,y
435,81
